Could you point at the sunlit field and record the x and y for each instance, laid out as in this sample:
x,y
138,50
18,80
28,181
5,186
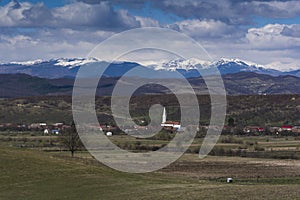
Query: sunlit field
x,y
45,172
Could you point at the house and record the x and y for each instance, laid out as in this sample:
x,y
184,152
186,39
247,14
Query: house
x,y
109,134
43,124
55,131
285,128
296,129
40,126
274,129
107,128
59,124
260,129
252,129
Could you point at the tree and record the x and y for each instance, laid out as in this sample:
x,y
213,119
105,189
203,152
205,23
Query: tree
x,y
231,122
71,140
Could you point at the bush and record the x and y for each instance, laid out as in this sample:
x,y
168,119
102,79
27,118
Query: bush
x,y
218,151
259,148
243,147
163,136
231,139
248,143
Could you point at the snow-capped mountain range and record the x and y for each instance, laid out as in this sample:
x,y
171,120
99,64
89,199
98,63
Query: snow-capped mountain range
x,y
63,67
183,64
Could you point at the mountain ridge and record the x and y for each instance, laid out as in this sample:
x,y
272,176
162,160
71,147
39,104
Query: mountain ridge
x,y
189,68
243,83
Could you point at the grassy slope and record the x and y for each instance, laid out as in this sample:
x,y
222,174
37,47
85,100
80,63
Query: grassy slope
x,y
27,174
273,110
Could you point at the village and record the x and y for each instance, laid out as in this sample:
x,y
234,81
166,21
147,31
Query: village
x,y
167,125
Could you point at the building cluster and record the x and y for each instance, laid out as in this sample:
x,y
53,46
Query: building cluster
x,y
104,127
272,130
55,128
168,125
276,130
175,126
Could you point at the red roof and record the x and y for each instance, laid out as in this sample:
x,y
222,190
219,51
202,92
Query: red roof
x,y
287,127
171,122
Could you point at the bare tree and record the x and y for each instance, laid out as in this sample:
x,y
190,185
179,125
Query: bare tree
x,y
71,140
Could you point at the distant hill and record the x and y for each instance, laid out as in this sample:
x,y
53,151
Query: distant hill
x,y
256,110
252,83
18,85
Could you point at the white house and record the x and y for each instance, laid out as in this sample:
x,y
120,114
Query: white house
x,y
109,134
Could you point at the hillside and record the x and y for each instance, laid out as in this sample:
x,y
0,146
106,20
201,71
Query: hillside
x,y
16,85
256,110
243,83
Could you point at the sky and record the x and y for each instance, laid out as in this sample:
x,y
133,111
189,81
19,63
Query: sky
x,y
264,32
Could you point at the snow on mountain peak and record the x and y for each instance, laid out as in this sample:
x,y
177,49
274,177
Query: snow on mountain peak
x,y
27,63
189,66
70,63
186,64
224,65
223,61
194,63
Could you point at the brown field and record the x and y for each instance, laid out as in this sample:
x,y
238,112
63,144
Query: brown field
x,y
215,167
31,169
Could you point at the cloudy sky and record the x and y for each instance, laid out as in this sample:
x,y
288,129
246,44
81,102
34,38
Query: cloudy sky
x,y
265,32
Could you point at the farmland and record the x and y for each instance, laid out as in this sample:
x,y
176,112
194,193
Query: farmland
x,y
42,173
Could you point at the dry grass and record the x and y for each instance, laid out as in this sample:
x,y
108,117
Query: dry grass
x,y
213,167
33,174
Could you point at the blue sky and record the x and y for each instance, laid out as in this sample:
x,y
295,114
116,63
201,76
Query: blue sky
x,y
265,32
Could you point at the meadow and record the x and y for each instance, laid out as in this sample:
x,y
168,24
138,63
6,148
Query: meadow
x,y
45,172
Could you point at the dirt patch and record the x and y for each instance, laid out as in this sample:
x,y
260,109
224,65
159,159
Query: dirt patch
x,y
219,167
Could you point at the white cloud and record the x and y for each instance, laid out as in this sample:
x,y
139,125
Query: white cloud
x,y
276,9
11,14
270,37
147,22
48,44
291,31
77,15
205,28
273,37
17,40
288,65
100,16
236,12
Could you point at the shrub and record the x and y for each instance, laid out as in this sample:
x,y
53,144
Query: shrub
x,y
259,148
231,139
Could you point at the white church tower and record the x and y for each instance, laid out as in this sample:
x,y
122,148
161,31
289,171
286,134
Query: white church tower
x,y
164,117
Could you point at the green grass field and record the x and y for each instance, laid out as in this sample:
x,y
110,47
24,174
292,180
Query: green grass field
x,y
34,174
